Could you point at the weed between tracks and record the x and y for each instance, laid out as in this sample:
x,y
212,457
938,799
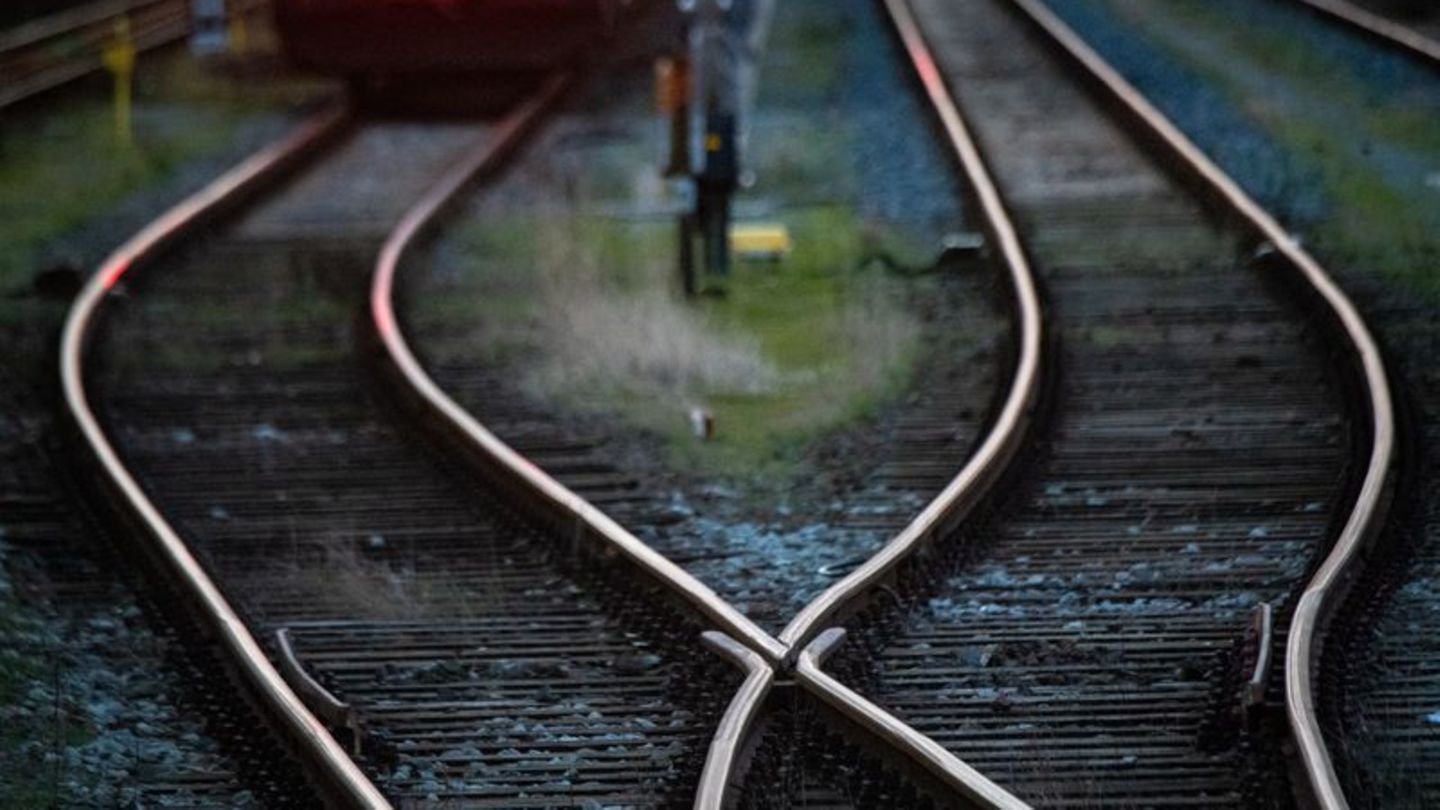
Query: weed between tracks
x,y
788,351
361,584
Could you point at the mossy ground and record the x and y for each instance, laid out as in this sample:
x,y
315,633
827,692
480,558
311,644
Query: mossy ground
x,y
1379,172
62,161
62,167
822,338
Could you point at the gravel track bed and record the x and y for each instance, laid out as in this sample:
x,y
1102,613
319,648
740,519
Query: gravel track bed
x,y
1082,644
1379,689
767,545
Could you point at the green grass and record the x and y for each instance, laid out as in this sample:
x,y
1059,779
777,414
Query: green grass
x,y
584,302
63,163
1374,223
789,350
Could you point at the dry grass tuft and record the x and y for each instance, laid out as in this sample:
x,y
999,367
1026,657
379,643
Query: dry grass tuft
x,y
357,584
634,334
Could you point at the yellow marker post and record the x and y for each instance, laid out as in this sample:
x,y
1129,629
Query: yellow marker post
x,y
239,37
119,59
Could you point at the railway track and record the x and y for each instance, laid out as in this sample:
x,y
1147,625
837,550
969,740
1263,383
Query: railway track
x,y
1378,684
1377,687
476,660
236,407
899,768
887,767
454,650
1096,618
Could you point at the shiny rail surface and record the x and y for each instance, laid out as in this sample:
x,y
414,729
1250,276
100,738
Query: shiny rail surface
x,y
556,502
1007,434
1327,588
735,724
312,742
1090,708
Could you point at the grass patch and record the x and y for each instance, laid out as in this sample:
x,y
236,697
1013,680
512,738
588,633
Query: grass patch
x,y
790,350
63,163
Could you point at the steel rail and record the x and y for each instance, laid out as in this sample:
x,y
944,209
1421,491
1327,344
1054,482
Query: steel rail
x,y
1327,587
964,780
556,500
945,511
1378,26
1007,434
758,652
735,724
341,779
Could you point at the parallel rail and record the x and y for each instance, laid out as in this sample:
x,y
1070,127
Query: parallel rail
x,y
325,759
1328,586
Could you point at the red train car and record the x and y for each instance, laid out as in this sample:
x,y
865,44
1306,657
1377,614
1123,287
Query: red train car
x,y
395,37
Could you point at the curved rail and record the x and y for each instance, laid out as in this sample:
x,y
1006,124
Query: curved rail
x,y
945,766
735,724
1375,25
556,501
943,513
1327,586
947,509
322,755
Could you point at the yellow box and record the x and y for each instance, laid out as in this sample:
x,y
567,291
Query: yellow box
x,y
761,241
